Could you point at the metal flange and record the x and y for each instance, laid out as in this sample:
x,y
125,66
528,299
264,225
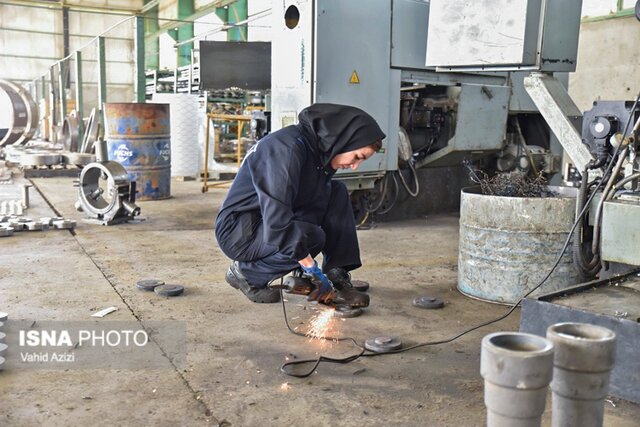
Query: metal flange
x,y
346,311
6,231
64,224
169,290
35,226
383,344
149,284
39,159
428,302
78,159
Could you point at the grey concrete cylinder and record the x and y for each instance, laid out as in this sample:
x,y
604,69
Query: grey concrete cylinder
x,y
517,369
508,244
584,357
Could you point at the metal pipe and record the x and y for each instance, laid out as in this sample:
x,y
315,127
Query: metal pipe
x,y
583,358
517,369
100,147
226,27
25,195
87,9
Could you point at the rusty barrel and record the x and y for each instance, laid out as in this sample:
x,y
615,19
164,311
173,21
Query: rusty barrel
x,y
508,244
139,138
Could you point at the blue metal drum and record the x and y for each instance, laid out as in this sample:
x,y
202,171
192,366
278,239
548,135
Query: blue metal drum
x,y
139,138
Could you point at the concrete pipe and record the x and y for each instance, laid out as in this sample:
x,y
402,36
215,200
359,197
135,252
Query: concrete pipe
x,y
584,357
517,369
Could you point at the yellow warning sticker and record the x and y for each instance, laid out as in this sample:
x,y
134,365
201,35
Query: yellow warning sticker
x,y
354,80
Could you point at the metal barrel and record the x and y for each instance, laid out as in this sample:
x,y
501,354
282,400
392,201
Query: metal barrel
x,y
508,244
139,138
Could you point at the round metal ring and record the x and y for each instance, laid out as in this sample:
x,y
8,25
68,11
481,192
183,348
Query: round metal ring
x,y
383,344
428,302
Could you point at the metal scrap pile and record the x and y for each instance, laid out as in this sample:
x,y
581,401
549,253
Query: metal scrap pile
x,y
510,184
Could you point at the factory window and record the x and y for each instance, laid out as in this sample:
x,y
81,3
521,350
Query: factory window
x,y
291,17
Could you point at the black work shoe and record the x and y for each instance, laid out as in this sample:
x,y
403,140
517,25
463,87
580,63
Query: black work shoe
x,y
347,293
259,295
341,278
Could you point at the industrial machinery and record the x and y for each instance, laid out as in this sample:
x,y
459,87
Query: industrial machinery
x,y
106,194
383,56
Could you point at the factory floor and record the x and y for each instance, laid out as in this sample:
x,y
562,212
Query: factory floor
x,y
234,348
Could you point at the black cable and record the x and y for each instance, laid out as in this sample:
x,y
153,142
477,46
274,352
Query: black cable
x,y
316,362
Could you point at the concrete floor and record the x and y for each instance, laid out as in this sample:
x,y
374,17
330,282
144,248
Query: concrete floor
x,y
234,348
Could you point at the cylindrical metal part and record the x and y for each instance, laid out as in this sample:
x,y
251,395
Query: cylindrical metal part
x,y
138,137
101,150
508,244
25,195
132,208
584,357
517,369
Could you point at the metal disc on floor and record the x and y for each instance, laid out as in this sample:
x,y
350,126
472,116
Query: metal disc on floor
x,y
3,336
3,348
1,363
383,344
360,285
346,311
149,284
3,316
428,302
169,290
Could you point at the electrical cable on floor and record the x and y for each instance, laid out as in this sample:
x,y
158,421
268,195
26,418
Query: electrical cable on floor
x,y
363,352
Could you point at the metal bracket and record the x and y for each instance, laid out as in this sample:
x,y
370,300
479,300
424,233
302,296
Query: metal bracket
x,y
557,107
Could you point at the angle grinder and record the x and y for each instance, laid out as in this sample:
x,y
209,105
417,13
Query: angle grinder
x,y
303,286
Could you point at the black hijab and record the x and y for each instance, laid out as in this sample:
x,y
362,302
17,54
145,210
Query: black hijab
x,y
332,129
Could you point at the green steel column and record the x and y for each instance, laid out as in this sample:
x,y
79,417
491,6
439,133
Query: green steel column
x,y
141,81
152,43
62,69
238,11
102,74
185,32
79,101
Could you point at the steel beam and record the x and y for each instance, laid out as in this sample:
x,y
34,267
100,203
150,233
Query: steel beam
x,y
238,12
102,74
140,82
79,98
185,32
62,70
557,108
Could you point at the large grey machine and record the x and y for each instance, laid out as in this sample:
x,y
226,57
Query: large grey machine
x,y
385,55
